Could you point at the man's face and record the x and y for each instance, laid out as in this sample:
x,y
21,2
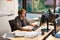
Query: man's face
x,y
23,14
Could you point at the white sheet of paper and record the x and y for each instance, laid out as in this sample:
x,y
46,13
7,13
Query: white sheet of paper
x,y
20,33
8,35
31,34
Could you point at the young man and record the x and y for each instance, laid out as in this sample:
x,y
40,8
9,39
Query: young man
x,y
21,20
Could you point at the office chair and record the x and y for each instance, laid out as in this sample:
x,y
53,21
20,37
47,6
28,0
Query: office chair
x,y
13,25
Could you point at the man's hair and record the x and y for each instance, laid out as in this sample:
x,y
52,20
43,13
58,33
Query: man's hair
x,y
20,11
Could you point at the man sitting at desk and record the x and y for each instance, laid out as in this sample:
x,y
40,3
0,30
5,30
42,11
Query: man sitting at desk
x,y
21,20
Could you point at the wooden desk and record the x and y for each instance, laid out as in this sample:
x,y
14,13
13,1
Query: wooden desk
x,y
36,38
42,37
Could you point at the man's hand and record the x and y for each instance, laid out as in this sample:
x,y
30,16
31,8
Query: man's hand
x,y
33,24
24,29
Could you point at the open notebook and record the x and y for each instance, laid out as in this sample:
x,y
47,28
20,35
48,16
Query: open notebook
x,y
26,34
21,34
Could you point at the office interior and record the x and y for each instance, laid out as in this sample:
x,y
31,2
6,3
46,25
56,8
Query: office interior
x,y
34,11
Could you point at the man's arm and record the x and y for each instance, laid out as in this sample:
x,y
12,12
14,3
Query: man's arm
x,y
31,24
21,28
24,29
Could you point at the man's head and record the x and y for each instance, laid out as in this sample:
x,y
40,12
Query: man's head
x,y
22,13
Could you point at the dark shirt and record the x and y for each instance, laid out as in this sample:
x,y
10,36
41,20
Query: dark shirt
x,y
21,23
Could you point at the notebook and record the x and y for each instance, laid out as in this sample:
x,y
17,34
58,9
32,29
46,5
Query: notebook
x,y
26,34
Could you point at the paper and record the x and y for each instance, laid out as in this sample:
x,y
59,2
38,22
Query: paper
x,y
20,33
35,18
31,34
8,35
58,32
26,34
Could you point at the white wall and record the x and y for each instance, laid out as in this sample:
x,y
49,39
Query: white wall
x,y
7,8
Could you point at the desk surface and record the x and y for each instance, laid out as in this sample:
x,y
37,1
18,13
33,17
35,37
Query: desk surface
x,y
49,38
37,38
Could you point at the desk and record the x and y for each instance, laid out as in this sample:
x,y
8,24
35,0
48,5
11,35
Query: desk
x,y
37,38
50,38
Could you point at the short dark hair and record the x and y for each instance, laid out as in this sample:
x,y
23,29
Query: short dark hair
x,y
20,11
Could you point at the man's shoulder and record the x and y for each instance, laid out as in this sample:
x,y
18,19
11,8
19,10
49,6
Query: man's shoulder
x,y
16,17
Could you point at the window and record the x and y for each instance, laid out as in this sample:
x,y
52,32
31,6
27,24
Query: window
x,y
19,4
41,5
36,5
29,5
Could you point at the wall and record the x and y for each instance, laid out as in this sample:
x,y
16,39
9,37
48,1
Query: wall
x,y
7,8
